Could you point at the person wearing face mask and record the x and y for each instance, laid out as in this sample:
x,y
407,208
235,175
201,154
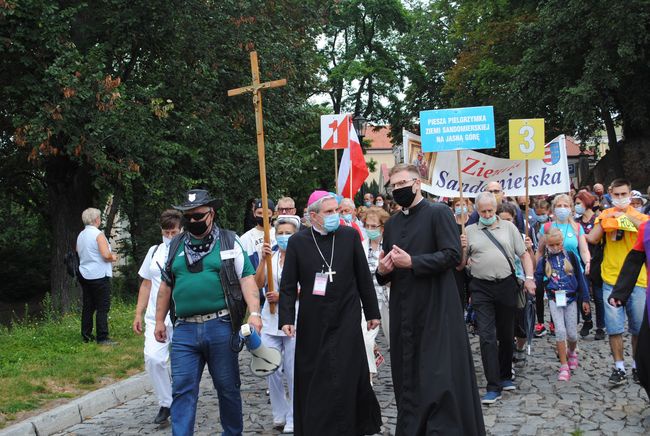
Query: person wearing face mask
x,y
329,264
368,199
637,201
253,240
211,280
380,202
272,335
542,209
347,212
492,245
496,189
587,219
461,215
618,228
376,217
156,354
433,371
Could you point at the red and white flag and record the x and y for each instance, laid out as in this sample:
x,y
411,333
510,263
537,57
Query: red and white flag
x,y
353,162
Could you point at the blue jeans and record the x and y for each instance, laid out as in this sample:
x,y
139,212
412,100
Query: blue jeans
x,y
615,316
194,345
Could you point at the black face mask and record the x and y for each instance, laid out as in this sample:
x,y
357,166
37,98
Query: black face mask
x,y
404,196
196,227
259,220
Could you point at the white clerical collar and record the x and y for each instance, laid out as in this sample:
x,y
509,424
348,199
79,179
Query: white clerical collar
x,y
407,211
322,232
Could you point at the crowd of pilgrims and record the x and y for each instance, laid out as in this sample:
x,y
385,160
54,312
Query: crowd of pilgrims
x,y
556,238
425,270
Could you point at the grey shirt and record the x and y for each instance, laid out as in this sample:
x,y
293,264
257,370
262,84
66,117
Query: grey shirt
x,y
486,261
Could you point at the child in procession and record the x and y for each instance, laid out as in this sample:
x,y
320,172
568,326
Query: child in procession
x,y
564,284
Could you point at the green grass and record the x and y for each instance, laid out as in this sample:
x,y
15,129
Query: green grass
x,y
43,361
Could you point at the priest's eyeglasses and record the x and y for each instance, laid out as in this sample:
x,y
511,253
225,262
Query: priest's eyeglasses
x,y
400,184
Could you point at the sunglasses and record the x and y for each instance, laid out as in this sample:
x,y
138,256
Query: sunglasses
x,y
195,216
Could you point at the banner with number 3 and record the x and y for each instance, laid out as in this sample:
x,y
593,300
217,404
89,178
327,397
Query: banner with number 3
x,y
526,139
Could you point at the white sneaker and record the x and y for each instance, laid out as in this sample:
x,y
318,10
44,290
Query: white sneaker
x,y
288,428
278,424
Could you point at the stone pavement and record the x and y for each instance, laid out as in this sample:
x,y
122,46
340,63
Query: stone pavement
x,y
540,406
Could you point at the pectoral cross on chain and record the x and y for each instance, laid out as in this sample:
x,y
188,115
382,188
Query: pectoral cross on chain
x,y
330,273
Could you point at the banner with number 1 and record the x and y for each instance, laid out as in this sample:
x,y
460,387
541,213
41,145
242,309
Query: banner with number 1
x,y
334,131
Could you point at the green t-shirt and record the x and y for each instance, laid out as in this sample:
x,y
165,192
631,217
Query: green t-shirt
x,y
200,293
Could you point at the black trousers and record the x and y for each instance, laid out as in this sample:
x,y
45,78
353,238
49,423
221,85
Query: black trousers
x,y
96,297
495,303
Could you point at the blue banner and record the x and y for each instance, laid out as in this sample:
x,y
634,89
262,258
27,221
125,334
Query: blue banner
x,y
457,129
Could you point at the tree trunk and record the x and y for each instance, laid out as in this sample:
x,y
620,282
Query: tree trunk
x,y
69,191
616,159
110,217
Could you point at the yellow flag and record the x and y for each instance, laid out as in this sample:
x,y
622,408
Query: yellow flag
x,y
526,139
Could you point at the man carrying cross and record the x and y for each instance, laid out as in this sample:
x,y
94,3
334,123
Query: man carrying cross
x,y
332,392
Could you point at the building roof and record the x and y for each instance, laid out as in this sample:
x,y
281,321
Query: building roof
x,y
377,137
573,148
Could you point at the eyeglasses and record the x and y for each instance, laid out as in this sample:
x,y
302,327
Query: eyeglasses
x,y
286,209
400,184
195,216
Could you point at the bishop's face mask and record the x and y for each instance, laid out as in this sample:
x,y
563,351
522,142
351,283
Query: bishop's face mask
x,y
331,222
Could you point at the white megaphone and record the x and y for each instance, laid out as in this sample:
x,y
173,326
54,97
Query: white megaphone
x,y
266,360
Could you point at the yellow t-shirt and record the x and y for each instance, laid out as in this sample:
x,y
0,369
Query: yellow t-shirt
x,y
616,250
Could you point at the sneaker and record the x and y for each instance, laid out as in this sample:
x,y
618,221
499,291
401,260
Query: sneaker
x,y
107,342
618,377
540,330
635,376
564,374
278,425
491,397
288,428
600,334
586,328
573,360
163,415
508,385
551,328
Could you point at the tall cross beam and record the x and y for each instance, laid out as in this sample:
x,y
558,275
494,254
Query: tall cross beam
x,y
256,89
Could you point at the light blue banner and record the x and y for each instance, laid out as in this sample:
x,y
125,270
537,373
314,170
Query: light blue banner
x,y
457,129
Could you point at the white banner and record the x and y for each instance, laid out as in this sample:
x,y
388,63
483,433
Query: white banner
x,y
547,176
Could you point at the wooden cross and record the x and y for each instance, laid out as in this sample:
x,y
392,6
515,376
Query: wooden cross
x,y
256,89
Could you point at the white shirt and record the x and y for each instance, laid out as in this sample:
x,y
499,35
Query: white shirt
x,y
91,263
270,320
253,240
150,271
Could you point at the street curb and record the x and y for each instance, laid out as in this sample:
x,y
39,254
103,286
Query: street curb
x,y
82,408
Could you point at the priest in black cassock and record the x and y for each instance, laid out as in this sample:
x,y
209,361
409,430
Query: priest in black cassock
x,y
433,372
325,268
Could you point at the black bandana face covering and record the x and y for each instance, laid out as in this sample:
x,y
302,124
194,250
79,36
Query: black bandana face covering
x,y
195,252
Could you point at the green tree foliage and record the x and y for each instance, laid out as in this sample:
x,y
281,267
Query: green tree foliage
x,y
129,98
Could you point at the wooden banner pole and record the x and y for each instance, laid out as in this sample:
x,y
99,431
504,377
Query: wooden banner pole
x,y
460,192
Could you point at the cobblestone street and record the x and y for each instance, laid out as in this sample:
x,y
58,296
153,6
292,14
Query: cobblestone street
x,y
540,406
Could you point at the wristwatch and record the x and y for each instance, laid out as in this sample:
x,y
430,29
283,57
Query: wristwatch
x,y
255,314
530,278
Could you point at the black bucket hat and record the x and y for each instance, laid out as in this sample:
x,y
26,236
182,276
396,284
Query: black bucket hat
x,y
197,198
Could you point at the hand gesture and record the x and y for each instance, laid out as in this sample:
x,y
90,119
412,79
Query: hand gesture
x,y
401,259
289,330
256,322
530,286
266,250
272,297
528,243
160,332
137,324
615,302
463,241
386,264
373,324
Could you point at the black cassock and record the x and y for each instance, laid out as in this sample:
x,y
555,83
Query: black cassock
x,y
433,372
332,392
